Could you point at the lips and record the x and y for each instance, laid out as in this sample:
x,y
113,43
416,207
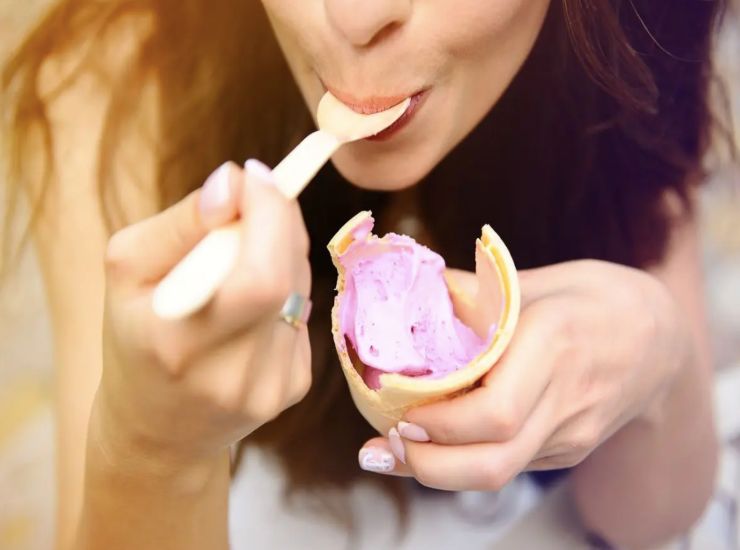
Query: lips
x,y
403,121
368,105
374,104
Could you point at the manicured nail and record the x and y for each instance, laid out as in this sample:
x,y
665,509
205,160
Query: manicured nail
x,y
260,171
412,432
394,439
216,190
376,459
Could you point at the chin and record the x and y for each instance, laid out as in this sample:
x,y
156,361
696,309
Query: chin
x,y
385,166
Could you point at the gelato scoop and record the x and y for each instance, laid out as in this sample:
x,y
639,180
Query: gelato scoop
x,y
405,333
397,313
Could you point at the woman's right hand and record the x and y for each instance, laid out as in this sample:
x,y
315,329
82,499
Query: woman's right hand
x,y
185,390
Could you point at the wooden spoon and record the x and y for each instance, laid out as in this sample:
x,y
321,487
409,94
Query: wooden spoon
x,y
193,282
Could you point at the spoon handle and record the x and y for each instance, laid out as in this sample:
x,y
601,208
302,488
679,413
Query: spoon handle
x,y
296,170
192,283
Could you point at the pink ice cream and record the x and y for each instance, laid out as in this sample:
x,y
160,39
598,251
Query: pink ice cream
x,y
397,313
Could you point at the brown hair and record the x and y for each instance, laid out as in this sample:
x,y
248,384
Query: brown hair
x,y
608,113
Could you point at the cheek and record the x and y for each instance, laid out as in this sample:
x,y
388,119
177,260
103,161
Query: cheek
x,y
295,26
296,30
279,10
485,27
488,42
470,49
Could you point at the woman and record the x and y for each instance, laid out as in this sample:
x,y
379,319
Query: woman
x,y
575,127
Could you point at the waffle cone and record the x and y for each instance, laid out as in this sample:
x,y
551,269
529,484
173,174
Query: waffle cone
x,y
497,301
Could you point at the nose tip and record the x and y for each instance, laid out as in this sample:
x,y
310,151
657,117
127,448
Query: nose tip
x,y
362,21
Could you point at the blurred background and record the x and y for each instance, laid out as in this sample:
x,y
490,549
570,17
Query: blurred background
x,y
26,374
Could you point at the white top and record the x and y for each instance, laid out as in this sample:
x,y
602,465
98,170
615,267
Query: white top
x,y
259,518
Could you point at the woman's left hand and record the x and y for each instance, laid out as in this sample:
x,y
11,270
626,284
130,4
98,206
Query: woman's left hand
x,y
597,346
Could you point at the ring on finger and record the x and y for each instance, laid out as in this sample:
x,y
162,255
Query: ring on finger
x,y
296,310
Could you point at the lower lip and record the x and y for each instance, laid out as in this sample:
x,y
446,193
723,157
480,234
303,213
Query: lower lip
x,y
404,119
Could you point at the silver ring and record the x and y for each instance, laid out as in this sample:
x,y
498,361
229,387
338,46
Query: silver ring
x,y
296,310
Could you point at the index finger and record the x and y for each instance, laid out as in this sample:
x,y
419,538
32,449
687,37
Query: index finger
x,y
272,261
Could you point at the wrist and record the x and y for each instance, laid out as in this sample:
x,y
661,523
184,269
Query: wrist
x,y
678,357
117,452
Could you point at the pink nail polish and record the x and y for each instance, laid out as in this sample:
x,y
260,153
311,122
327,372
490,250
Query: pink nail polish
x,y
377,460
216,190
412,432
394,439
260,171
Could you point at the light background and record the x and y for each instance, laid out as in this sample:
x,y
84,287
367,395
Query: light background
x,y
26,422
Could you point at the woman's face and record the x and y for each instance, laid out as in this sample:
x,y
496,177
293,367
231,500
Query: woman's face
x,y
454,58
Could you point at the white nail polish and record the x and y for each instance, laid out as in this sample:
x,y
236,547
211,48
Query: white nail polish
x,y
412,432
394,440
216,190
378,460
260,171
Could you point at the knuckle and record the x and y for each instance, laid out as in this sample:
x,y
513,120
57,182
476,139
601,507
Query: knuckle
x,y
263,406
117,252
301,386
547,463
425,475
441,429
555,324
572,459
569,358
566,350
229,398
563,458
494,476
171,359
504,421
172,354
584,440
564,329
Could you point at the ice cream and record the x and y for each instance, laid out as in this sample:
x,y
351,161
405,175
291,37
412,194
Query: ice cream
x,y
405,331
397,313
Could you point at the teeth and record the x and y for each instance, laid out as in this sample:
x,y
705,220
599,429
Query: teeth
x,y
498,291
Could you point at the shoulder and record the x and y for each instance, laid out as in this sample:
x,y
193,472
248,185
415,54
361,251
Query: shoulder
x,y
89,112
97,148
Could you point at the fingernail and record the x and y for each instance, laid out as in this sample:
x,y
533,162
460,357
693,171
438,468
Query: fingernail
x,y
412,432
376,459
260,171
394,439
216,190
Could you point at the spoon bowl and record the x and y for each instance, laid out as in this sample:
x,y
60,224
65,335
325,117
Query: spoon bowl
x,y
347,125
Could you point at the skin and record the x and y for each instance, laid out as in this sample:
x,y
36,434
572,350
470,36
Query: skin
x,y
465,53
636,406
631,414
